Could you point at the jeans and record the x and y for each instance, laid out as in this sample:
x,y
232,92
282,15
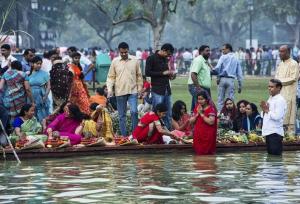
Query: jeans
x,y
225,90
165,99
193,91
132,99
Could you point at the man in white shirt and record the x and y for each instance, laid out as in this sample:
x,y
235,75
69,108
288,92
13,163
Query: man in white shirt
x,y
273,116
187,58
6,57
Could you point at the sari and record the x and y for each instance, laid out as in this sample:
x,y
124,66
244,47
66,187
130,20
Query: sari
x,y
14,97
205,135
31,127
38,81
146,132
188,129
100,125
79,93
60,81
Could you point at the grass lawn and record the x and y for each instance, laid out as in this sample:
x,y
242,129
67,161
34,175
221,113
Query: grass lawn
x,y
254,90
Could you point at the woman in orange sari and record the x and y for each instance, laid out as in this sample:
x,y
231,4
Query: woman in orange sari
x,y
79,94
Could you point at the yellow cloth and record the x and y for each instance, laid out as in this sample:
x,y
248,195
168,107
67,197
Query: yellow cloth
x,y
288,73
90,126
125,76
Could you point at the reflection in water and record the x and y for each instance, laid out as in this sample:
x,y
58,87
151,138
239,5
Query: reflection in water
x,y
206,182
169,178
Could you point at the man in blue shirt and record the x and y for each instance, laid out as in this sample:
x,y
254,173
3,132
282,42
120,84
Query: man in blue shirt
x,y
28,55
228,69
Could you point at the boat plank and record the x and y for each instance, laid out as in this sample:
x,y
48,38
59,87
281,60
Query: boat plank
x,y
138,149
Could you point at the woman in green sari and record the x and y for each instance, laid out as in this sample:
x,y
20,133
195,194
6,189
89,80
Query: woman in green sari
x,y
27,127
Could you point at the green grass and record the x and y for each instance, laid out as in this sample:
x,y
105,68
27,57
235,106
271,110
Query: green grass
x,y
254,90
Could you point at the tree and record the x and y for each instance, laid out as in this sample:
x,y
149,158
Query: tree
x,y
287,13
153,12
99,20
226,21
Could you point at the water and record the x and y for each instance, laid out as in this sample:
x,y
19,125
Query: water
x,y
169,178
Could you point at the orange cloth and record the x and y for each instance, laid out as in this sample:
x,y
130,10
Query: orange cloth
x,y
79,94
101,100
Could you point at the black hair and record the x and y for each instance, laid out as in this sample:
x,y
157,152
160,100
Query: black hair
x,y
52,52
161,107
72,49
75,54
17,65
176,109
203,94
36,59
93,106
25,108
46,55
202,48
228,46
26,52
76,114
168,47
123,45
100,91
5,46
62,106
277,83
254,109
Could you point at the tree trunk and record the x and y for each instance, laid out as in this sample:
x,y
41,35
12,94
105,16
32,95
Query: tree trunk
x,y
157,35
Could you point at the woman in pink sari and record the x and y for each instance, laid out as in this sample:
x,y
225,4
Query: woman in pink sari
x,y
181,120
67,124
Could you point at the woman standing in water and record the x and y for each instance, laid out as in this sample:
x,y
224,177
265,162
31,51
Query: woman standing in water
x,y
205,130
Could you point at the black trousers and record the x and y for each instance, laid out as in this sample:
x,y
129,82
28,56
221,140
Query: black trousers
x,y
274,144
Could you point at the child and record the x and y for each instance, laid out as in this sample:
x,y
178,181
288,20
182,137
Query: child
x,y
146,96
99,97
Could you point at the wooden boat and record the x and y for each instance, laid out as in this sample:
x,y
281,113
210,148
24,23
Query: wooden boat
x,y
138,149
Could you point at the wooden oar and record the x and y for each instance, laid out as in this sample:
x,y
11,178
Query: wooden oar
x,y
9,142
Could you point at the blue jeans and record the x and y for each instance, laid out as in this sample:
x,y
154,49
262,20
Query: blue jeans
x,y
225,90
193,91
165,99
132,99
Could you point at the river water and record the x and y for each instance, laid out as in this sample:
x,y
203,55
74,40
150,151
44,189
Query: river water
x,y
157,178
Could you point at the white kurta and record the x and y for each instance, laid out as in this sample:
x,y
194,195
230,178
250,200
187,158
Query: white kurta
x,y
288,73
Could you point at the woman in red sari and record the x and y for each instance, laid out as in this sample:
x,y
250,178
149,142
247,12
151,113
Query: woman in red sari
x,y
150,129
79,94
205,129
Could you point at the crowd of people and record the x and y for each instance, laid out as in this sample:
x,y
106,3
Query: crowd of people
x,y
47,99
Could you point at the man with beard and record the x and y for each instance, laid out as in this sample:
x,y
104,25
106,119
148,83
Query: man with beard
x,y
200,77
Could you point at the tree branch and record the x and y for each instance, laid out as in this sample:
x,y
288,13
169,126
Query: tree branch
x,y
100,8
131,19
